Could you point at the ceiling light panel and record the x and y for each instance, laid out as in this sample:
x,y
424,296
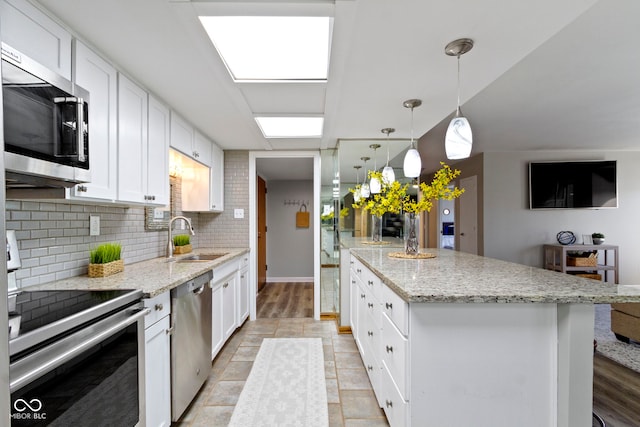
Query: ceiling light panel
x,y
273,48
291,127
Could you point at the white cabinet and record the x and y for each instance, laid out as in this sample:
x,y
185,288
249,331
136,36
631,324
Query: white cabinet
x,y
157,355
158,153
217,334
189,141
224,304
202,149
30,31
229,287
132,141
216,198
182,135
243,290
100,78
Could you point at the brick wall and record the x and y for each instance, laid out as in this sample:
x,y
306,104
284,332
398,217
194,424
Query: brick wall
x,y
54,236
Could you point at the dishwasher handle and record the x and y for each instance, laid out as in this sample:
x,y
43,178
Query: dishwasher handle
x,y
199,290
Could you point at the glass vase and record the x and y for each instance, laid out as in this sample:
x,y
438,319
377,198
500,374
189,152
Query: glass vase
x,y
411,233
376,228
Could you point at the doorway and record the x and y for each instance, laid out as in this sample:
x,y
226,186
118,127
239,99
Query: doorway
x,y
289,162
469,215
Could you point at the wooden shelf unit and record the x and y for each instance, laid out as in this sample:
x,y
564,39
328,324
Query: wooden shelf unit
x,y
555,258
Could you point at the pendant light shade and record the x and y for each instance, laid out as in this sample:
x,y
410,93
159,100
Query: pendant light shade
x,y
375,186
459,138
388,175
356,194
412,162
365,191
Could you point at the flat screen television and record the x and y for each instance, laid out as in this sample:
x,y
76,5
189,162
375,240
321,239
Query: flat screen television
x,y
573,185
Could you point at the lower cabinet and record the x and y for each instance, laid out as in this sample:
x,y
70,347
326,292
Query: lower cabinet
x,y
157,354
243,291
223,306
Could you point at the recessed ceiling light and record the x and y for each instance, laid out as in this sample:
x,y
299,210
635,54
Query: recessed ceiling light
x,y
272,47
291,127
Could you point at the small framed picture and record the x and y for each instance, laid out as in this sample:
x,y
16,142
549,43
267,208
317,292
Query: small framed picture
x,y
586,239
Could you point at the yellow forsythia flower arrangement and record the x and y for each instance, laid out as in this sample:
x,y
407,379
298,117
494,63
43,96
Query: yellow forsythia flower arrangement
x,y
394,197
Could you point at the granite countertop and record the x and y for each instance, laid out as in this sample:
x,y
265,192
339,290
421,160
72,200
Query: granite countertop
x,y
454,276
153,276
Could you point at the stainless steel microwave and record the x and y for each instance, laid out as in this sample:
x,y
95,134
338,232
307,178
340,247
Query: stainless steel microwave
x,y
46,128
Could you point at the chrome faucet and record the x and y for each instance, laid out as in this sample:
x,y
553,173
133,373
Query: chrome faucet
x,y
170,242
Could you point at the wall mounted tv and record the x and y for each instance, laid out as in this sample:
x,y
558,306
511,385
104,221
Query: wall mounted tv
x,y
573,185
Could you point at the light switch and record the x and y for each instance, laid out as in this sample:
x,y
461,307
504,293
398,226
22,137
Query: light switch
x,y
94,225
238,213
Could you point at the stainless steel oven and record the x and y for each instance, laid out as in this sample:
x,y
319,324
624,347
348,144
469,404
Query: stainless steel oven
x,y
46,127
78,359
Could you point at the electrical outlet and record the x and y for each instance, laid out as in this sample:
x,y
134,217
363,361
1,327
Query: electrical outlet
x,y
94,225
238,213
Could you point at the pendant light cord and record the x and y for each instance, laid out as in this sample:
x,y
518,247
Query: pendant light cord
x,y
412,145
458,108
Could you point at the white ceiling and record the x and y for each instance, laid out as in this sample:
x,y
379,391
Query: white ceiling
x,y
542,75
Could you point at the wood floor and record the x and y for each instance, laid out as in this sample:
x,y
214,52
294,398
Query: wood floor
x,y
616,393
281,300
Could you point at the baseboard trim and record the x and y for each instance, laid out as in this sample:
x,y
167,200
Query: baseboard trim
x,y
289,279
344,330
328,316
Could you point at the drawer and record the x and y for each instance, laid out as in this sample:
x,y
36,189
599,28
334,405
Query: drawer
x,y
372,283
396,309
394,350
160,306
395,407
374,371
244,261
357,267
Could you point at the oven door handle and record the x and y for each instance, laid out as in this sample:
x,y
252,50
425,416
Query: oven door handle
x,y
37,364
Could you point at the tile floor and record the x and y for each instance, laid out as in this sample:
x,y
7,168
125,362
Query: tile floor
x,y
349,394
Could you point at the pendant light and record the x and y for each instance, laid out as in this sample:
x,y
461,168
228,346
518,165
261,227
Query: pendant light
x,y
412,161
459,139
365,191
356,194
388,175
375,185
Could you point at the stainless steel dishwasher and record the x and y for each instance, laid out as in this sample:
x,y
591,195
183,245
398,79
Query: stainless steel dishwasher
x,y
190,341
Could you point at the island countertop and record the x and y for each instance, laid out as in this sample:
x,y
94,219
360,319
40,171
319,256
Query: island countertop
x,y
153,276
458,277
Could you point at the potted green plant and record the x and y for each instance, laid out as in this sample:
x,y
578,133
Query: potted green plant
x,y
598,238
104,260
181,244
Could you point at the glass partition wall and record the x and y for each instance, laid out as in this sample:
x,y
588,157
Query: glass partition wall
x,y
329,239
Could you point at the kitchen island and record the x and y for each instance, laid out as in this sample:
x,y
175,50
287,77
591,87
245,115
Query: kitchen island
x,y
461,340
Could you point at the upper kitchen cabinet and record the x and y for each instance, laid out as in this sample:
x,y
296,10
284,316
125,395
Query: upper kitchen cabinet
x,y
158,153
216,197
28,30
132,142
100,78
189,141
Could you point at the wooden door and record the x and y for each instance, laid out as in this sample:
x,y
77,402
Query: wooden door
x,y
262,233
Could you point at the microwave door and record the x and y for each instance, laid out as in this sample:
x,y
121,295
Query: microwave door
x,y
70,136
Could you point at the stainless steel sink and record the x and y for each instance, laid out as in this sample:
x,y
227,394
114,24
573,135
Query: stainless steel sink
x,y
200,257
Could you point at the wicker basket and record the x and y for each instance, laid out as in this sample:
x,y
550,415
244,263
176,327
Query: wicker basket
x,y
590,276
590,261
184,249
104,270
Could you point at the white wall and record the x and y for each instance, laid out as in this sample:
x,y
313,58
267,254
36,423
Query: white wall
x,y
513,232
290,250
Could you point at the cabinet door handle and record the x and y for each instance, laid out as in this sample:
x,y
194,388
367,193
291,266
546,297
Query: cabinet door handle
x,y
353,282
358,270
369,367
388,403
388,305
242,276
370,305
169,331
159,307
362,296
370,333
389,349
225,285
370,282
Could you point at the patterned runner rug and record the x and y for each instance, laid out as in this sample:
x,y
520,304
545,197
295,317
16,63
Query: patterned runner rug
x,y
286,386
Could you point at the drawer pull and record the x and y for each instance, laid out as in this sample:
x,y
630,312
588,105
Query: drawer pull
x,y
351,262
225,285
358,270
388,305
362,296
169,331
388,403
370,333
159,307
370,305
369,367
353,282
370,282
389,349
